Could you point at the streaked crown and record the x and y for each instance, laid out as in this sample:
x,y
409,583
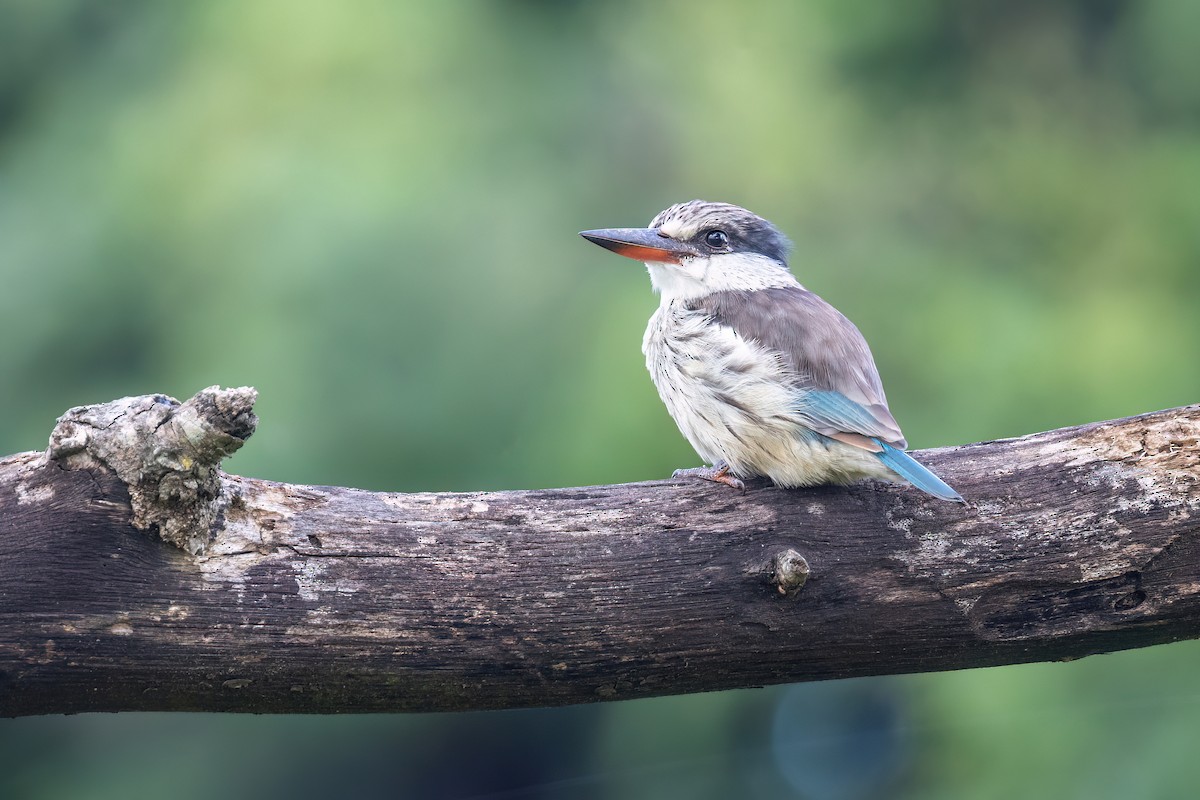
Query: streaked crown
x,y
746,231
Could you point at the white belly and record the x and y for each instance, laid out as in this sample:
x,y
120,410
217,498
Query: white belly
x,y
733,402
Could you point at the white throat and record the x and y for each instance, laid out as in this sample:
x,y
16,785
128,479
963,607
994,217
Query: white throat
x,y
728,272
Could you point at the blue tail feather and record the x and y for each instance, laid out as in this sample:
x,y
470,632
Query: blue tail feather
x,y
908,468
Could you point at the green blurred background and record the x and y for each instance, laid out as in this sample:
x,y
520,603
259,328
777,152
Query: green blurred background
x,y
368,211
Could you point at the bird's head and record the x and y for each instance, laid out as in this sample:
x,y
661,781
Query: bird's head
x,y
696,248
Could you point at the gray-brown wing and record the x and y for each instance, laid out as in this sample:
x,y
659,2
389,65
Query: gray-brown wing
x,y
824,350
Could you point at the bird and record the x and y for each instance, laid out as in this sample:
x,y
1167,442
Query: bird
x,y
763,377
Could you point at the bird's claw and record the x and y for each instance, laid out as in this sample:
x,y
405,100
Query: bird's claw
x,y
718,473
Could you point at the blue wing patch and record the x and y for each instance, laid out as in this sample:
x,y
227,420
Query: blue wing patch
x,y
833,414
828,412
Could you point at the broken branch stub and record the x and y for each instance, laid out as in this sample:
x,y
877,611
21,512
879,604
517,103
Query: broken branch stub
x,y
167,454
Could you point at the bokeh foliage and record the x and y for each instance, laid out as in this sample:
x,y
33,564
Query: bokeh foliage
x,y
368,211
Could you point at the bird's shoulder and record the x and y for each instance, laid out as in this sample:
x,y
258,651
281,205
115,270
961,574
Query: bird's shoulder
x,y
811,334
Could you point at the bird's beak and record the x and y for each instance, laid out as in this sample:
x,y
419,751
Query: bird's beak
x,y
641,244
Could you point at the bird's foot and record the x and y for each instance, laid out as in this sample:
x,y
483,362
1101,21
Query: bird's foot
x,y
717,473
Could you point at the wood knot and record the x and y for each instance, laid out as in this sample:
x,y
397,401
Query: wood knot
x,y
787,571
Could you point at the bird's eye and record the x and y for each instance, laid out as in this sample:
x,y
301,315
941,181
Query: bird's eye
x,y
717,240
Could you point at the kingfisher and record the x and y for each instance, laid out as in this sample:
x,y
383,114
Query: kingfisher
x,y
763,377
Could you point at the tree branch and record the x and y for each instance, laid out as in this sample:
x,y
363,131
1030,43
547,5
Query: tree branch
x,y
135,575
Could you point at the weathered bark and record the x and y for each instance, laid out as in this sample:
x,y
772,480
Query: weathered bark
x,y
270,597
